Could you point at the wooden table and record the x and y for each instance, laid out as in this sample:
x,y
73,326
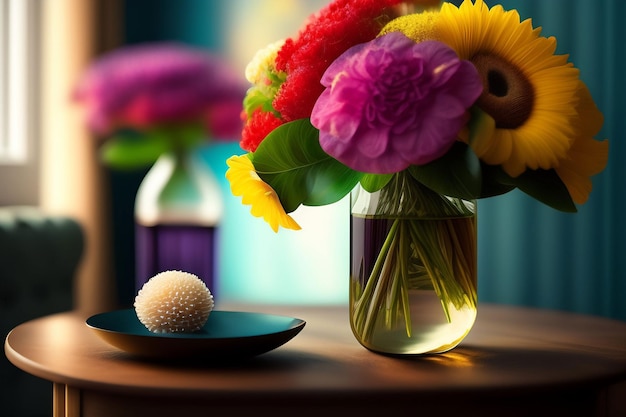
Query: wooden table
x,y
515,362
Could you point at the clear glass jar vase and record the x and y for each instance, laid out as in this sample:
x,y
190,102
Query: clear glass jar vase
x,y
413,279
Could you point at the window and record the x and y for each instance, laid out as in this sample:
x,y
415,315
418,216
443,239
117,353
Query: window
x,y
17,44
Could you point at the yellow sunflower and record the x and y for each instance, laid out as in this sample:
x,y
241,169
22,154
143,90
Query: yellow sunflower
x,y
245,182
531,93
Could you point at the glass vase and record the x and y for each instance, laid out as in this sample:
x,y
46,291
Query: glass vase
x,y
178,209
413,279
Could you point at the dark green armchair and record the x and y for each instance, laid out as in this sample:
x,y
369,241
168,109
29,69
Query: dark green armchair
x,y
39,254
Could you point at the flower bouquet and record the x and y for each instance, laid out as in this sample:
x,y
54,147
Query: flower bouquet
x,y
418,110
153,98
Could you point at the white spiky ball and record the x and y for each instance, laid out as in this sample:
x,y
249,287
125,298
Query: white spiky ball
x,y
174,301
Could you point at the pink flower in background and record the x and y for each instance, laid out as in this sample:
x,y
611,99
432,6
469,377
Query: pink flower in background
x,y
391,103
144,85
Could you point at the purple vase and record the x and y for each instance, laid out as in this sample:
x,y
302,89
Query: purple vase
x,y
176,247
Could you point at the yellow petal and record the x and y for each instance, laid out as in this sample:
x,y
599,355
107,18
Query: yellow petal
x,y
587,156
245,182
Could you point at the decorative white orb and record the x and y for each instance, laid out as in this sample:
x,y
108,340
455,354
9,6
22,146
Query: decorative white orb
x,y
174,301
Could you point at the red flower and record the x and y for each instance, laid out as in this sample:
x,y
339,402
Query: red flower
x,y
257,128
339,26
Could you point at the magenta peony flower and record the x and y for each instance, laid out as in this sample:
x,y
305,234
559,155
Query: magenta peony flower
x,y
391,103
144,85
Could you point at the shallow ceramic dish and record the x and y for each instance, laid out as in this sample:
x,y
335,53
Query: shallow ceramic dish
x,y
226,334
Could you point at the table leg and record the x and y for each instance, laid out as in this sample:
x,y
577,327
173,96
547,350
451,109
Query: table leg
x,y
65,401
58,400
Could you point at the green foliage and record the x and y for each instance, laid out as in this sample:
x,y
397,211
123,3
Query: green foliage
x,y
481,126
457,174
543,185
493,182
292,162
130,149
257,99
374,182
261,96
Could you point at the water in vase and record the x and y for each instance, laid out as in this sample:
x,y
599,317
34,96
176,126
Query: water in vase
x,y
413,283
431,332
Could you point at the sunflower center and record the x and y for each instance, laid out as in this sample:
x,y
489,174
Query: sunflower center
x,y
508,96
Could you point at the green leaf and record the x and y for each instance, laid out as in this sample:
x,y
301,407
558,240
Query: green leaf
x,y
374,182
493,183
456,174
481,127
292,162
545,186
131,151
255,99
183,136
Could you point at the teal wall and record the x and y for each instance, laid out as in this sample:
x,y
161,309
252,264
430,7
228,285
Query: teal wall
x,y
528,254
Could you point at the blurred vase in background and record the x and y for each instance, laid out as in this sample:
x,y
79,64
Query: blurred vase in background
x,y
154,105
178,210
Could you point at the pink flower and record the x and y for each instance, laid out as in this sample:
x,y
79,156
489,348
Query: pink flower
x,y
143,85
391,103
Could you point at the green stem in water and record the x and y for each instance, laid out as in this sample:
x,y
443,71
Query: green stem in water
x,y
431,244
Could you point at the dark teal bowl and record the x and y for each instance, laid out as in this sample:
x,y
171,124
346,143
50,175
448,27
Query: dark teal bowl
x,y
226,335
